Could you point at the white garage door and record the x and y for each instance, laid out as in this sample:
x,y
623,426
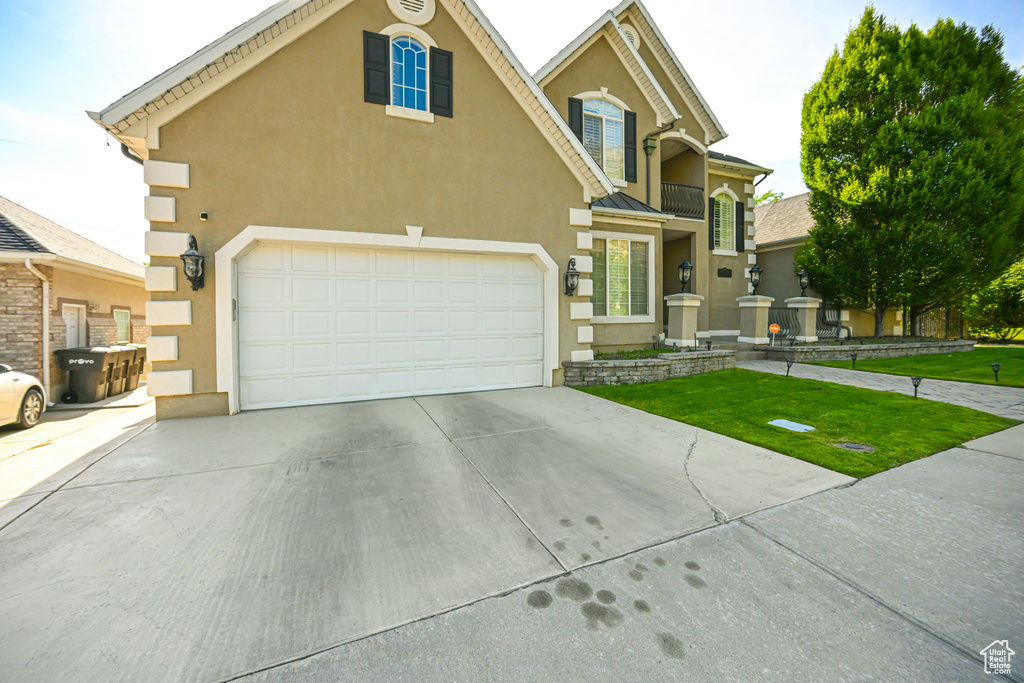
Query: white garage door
x,y
329,324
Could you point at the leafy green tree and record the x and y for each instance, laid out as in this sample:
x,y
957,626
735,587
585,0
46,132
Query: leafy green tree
x,y
768,197
998,310
913,147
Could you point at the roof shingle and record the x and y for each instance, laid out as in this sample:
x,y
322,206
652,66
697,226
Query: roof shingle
x,y
782,219
23,230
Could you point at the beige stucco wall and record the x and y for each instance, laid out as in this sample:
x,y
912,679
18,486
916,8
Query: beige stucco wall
x,y
600,67
293,144
720,303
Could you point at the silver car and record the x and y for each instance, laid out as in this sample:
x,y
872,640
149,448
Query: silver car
x,y
22,398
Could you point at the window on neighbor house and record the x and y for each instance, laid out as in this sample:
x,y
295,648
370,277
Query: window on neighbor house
x,y
621,276
604,136
123,319
725,222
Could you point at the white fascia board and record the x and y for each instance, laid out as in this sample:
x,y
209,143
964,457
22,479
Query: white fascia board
x,y
563,126
576,44
647,70
623,6
152,89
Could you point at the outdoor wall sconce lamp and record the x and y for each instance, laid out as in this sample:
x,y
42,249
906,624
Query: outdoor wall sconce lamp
x,y
995,369
572,278
805,280
685,272
755,277
917,383
193,262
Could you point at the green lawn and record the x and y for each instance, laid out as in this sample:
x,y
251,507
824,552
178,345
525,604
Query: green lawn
x,y
970,366
740,403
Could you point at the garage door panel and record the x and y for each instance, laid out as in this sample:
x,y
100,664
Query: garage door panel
x,y
324,324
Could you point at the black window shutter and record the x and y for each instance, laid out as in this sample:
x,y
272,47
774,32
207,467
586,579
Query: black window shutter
x,y
441,82
630,147
376,68
711,223
576,117
741,237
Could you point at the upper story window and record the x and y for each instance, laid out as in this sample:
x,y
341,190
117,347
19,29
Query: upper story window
x,y
724,222
408,73
603,136
607,129
404,70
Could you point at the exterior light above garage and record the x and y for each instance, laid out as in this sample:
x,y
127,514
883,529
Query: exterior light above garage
x,y
193,264
572,278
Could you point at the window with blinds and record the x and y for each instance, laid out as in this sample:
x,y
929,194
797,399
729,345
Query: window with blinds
x,y
725,222
604,136
621,277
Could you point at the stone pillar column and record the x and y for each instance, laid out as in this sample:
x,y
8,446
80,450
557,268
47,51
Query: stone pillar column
x,y
754,318
807,310
682,319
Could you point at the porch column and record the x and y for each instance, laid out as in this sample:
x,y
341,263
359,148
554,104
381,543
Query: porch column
x,y
807,314
682,318
754,318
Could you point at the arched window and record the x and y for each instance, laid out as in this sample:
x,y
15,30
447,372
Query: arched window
x,y
725,221
603,136
408,73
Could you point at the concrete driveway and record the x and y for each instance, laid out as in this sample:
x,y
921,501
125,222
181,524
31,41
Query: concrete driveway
x,y
210,548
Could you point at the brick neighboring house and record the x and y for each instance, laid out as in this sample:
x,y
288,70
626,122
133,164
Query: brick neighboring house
x,y
95,297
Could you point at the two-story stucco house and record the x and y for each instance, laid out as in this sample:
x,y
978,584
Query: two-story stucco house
x,y
388,205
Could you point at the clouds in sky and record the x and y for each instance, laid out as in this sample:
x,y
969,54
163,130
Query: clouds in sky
x,y
752,61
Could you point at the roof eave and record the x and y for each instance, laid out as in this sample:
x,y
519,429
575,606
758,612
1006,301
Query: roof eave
x,y
639,215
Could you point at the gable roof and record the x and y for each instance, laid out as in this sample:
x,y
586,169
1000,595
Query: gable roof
x,y
22,230
651,33
237,51
634,63
782,220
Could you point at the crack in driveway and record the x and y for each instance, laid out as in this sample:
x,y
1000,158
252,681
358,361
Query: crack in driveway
x,y
720,516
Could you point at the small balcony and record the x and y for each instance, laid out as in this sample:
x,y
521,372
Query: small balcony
x,y
685,201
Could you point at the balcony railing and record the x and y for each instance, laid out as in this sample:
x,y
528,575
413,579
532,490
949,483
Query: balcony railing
x,y
685,201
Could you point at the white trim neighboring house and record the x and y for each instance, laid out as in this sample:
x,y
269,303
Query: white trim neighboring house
x,y
228,256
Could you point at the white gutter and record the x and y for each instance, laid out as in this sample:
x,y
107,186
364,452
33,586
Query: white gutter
x,y
46,326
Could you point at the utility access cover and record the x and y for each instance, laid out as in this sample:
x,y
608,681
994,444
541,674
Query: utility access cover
x,y
791,426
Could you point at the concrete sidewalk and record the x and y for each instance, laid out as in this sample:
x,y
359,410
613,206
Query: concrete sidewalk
x,y
907,575
1002,401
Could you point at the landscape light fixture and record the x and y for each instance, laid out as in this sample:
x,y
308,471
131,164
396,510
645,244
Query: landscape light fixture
x,y
755,277
995,369
193,264
853,357
917,383
685,272
709,344
789,364
805,279
572,278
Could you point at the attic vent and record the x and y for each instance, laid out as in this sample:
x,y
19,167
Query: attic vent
x,y
632,35
415,12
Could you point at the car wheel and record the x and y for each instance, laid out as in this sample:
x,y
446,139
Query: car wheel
x,y
31,409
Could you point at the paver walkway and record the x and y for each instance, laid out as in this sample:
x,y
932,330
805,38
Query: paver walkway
x,y
1003,401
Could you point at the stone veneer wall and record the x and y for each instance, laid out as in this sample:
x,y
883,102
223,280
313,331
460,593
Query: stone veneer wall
x,y
666,366
811,353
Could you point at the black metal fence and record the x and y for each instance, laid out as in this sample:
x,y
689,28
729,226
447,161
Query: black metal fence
x,y
786,318
682,200
830,323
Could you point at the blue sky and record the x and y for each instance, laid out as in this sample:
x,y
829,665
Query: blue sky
x,y
752,61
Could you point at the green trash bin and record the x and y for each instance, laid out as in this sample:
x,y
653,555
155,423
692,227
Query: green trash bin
x,y
125,356
89,369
